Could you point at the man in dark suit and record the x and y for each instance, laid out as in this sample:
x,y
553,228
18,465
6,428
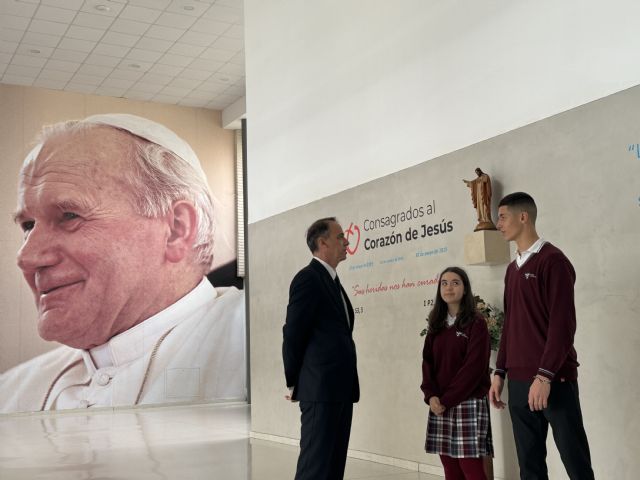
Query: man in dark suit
x,y
320,356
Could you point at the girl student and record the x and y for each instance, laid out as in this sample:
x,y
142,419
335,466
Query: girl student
x,y
455,379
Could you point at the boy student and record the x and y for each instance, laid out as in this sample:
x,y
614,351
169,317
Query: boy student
x,y
536,350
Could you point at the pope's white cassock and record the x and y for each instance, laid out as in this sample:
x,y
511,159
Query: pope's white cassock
x,y
192,351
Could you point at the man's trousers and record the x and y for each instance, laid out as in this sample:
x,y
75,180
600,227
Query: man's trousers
x,y
324,439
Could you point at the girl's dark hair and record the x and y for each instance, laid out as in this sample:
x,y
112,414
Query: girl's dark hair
x,y
437,319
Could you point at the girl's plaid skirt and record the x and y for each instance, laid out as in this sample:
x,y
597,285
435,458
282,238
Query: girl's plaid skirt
x,y
463,431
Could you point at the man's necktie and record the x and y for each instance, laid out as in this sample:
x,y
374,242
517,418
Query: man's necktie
x,y
339,287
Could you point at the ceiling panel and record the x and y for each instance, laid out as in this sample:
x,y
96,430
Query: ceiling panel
x,y
87,79
178,60
154,44
33,38
104,60
70,4
34,50
206,64
143,55
63,65
111,50
54,14
217,54
76,45
146,15
17,8
45,26
158,4
126,74
84,33
92,20
195,74
123,25
164,33
122,39
68,55
211,26
168,70
8,47
135,65
28,61
175,20
187,52
14,21
19,70
106,8
56,75
194,9
97,70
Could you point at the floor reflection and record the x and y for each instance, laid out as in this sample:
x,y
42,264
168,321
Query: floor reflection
x,y
188,442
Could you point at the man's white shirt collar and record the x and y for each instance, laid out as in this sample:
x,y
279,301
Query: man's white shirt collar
x,y
522,257
330,269
135,342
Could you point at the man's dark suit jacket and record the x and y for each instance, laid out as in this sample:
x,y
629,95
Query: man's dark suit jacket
x,y
318,349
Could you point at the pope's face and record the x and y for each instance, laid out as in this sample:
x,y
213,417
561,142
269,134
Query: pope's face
x,y
93,264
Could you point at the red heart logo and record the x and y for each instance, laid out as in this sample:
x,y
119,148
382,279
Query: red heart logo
x,y
352,231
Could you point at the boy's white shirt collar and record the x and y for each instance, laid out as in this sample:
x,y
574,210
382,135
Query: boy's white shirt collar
x,y
522,257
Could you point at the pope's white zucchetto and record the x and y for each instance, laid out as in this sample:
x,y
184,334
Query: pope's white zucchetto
x,y
143,128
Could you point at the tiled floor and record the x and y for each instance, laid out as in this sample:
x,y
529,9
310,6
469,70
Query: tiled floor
x,y
187,443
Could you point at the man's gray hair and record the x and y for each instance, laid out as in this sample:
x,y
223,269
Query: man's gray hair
x,y
157,179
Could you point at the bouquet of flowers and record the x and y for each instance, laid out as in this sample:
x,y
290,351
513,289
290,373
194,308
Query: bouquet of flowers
x,y
494,318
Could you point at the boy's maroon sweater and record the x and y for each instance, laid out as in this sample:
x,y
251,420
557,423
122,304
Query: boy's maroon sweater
x,y
540,318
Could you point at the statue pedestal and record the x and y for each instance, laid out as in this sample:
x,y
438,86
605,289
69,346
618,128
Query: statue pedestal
x,y
486,247
484,226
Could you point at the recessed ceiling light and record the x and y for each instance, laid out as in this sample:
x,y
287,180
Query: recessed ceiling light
x,y
188,7
34,50
103,8
134,65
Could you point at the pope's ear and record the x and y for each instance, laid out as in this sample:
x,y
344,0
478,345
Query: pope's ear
x,y
183,227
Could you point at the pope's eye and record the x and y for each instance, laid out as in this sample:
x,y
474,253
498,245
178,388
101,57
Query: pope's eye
x,y
28,225
69,215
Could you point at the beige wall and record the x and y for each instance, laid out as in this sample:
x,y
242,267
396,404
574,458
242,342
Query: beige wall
x,y
23,111
369,87
578,167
